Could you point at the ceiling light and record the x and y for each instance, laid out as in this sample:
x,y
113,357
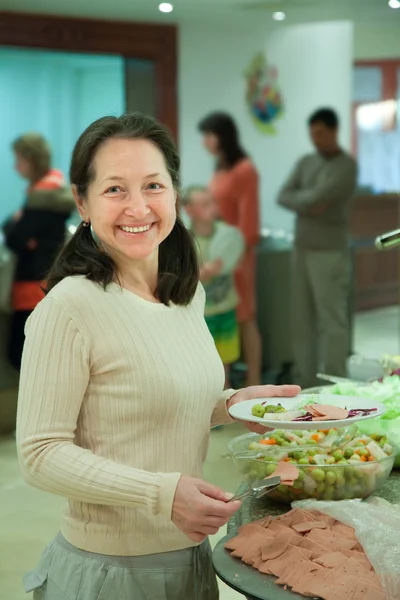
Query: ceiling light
x,y
165,7
394,3
279,16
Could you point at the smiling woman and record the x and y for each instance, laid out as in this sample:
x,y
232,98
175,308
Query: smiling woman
x,y
125,179
121,383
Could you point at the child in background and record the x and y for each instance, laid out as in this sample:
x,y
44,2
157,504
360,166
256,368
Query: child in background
x,y
220,249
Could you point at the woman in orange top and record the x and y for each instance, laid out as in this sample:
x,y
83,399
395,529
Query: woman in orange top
x,y
235,188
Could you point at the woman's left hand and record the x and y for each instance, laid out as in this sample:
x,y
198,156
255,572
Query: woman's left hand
x,y
263,391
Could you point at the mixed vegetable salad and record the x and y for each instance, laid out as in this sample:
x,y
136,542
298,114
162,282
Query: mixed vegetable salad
x,y
332,464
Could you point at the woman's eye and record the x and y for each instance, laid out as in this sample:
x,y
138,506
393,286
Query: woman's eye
x,y
155,186
114,189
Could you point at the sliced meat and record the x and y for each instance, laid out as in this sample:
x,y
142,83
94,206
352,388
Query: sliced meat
x,y
321,584
309,525
247,544
375,579
279,528
295,570
319,516
277,546
296,516
288,473
233,543
344,530
313,410
360,556
329,541
252,528
263,567
343,589
331,560
278,565
328,412
365,592
316,549
352,567
262,522
307,582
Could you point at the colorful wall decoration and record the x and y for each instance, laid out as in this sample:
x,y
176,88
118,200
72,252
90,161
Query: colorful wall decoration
x,y
263,95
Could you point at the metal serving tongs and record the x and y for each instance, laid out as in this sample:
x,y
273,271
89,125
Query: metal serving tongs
x,y
259,488
335,379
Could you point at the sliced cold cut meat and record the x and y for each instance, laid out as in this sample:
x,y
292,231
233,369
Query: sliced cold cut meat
x,y
344,530
309,525
329,541
334,413
332,560
277,546
287,471
311,553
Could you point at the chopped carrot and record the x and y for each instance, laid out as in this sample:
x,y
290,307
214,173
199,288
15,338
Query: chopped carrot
x,y
326,431
315,437
357,451
363,458
371,459
268,442
286,459
363,442
310,459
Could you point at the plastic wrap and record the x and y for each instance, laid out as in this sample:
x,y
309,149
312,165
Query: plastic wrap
x,y
377,526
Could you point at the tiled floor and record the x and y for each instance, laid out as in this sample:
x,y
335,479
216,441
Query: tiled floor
x,y
30,518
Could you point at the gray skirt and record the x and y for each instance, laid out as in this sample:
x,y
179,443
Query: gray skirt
x,y
67,573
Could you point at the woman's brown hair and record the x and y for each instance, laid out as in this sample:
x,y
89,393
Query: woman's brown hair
x,y
34,148
178,271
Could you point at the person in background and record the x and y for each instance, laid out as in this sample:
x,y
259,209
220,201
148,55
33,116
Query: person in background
x,y
36,232
235,188
121,382
220,248
319,192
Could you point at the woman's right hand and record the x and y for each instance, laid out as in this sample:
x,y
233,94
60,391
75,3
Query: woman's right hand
x,y
200,509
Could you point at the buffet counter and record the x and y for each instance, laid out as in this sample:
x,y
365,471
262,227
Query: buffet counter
x,y
249,581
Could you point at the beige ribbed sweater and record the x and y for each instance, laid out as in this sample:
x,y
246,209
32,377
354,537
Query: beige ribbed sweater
x,y
117,396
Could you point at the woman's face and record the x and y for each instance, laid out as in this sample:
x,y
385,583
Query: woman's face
x,y
131,204
23,166
211,142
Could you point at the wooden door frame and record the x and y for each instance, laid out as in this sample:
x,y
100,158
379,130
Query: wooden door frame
x,y
127,39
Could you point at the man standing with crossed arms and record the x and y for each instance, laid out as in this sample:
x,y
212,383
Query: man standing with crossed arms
x,y
319,192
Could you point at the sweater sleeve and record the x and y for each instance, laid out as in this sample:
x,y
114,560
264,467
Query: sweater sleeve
x,y
220,414
336,181
54,376
249,218
287,196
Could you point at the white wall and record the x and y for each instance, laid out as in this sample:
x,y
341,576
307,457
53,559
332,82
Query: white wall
x,y
314,63
377,41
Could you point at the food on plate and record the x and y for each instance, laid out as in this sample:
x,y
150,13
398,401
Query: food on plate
x,y
324,560
311,411
328,412
328,464
259,410
321,412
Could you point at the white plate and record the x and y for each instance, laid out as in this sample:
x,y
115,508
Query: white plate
x,y
242,411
